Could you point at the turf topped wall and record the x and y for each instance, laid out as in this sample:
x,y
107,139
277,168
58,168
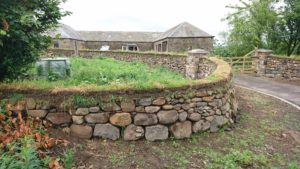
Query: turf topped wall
x,y
207,104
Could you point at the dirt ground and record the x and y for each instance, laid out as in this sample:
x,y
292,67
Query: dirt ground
x,y
267,135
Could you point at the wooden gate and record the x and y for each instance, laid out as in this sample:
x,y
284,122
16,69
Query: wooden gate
x,y
241,63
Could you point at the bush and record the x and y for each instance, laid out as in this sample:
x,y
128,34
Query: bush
x,y
22,33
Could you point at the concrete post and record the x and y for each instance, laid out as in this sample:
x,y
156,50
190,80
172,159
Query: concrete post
x,y
260,61
192,62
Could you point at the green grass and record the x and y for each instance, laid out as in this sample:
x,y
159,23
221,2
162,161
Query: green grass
x,y
107,73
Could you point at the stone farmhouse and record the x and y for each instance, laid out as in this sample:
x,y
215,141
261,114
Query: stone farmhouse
x,y
180,38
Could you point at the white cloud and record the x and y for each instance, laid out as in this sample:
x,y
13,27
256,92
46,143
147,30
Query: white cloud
x,y
146,15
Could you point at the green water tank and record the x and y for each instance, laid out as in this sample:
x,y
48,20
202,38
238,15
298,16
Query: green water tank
x,y
56,67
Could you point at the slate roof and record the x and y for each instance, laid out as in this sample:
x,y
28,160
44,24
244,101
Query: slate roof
x,y
120,36
184,30
65,32
180,31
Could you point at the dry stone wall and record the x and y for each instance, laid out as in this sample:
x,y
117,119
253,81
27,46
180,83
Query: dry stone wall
x,y
153,117
153,114
272,66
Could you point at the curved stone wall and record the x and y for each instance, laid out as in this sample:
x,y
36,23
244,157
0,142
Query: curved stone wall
x,y
156,114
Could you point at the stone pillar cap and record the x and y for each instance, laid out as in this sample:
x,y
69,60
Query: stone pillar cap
x,y
264,50
200,51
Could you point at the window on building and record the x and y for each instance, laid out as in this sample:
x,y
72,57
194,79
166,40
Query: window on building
x,y
132,47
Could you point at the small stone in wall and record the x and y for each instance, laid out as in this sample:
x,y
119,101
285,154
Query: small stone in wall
x,y
140,109
157,132
182,116
186,106
226,107
181,130
95,109
121,119
106,131
128,105
167,117
133,132
218,112
201,104
159,102
30,103
145,102
210,118
81,131
208,99
168,107
97,118
109,107
77,119
190,111
192,105
144,119
197,99
201,94
218,102
81,111
194,116
37,113
59,118
152,109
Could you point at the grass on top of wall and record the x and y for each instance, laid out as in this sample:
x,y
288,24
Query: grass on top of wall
x,y
293,57
107,74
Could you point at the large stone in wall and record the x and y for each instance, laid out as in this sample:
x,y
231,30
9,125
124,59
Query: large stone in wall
x,y
106,131
201,126
37,113
157,132
133,132
120,119
128,105
143,119
81,131
181,130
217,122
152,109
167,117
97,118
59,118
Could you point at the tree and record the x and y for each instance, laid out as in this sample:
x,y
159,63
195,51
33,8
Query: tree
x,y
288,28
23,27
251,25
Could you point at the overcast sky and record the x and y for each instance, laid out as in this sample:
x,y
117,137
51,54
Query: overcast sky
x,y
146,15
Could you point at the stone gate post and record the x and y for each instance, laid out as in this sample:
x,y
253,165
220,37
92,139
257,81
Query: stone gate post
x,y
192,62
260,61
